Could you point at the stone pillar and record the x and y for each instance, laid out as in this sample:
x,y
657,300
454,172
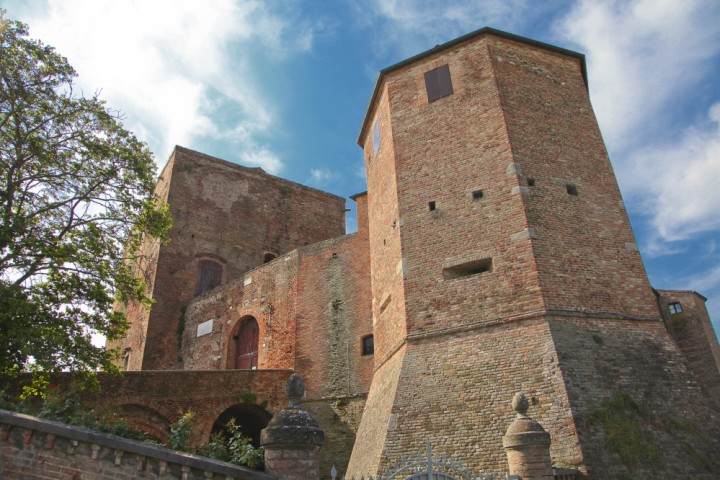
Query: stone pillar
x,y
292,439
527,445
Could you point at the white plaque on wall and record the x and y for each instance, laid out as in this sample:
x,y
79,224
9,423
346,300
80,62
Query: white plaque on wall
x,y
205,328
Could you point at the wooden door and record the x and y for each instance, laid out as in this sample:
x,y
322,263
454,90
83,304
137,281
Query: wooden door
x,y
246,347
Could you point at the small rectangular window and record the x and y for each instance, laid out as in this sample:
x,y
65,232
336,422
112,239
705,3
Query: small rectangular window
x,y
368,345
477,194
675,308
376,137
467,269
438,83
571,190
431,206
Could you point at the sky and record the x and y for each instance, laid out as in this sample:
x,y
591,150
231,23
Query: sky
x,y
284,85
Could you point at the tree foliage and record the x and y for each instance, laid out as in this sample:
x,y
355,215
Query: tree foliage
x,y
76,191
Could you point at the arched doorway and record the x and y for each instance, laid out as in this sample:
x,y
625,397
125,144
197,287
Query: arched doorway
x,y
251,419
246,345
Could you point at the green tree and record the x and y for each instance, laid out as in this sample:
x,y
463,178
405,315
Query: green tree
x,y
76,191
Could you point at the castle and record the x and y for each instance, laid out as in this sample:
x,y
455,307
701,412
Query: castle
x,y
493,255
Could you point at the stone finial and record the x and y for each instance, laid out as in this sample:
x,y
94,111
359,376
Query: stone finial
x,y
520,404
295,389
292,439
293,425
527,444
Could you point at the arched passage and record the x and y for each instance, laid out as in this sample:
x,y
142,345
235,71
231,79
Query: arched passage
x,y
147,420
251,419
244,345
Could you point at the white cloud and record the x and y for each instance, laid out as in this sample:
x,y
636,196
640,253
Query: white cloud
x,y
171,65
415,25
642,56
677,182
323,176
264,159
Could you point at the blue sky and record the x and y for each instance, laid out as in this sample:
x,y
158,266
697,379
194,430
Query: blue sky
x,y
284,85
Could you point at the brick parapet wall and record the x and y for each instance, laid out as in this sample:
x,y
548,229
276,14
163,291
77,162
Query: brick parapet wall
x,y
33,448
152,400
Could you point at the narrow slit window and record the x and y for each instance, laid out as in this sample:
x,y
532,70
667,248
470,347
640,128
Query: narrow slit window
x,y
376,137
368,345
571,190
438,83
675,308
477,194
431,206
469,268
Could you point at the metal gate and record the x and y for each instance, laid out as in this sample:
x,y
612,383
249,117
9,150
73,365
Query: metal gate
x,y
432,466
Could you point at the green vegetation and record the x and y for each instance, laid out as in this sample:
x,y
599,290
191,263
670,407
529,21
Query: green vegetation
x,y
620,417
76,191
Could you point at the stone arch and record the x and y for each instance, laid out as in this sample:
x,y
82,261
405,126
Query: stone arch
x,y
146,419
250,417
244,339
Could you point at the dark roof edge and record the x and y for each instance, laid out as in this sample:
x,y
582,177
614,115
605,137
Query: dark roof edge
x,y
659,291
452,43
250,169
357,195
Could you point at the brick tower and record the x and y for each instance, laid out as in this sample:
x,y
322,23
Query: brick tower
x,y
503,260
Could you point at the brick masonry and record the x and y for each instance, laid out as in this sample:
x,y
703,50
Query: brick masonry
x,y
560,263
493,255
32,448
227,213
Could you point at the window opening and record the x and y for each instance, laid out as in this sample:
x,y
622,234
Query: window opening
x,y
246,345
675,308
571,190
269,256
209,276
376,137
438,83
469,268
431,206
477,194
368,345
531,182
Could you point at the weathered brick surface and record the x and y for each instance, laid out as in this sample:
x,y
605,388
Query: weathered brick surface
x,y
693,332
231,214
582,241
602,357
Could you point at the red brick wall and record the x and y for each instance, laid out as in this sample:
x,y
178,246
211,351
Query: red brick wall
x,y
231,214
386,267
132,347
585,250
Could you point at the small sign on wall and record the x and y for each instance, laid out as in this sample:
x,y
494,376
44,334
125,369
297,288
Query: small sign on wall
x,y
205,328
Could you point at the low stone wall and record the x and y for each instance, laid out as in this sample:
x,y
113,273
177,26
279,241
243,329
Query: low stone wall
x,y
33,448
